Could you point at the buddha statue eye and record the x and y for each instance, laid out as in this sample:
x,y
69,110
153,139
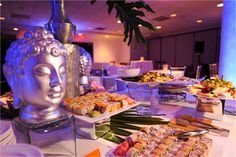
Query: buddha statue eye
x,y
42,70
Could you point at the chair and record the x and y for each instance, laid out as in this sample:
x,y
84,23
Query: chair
x,y
214,70
159,64
198,72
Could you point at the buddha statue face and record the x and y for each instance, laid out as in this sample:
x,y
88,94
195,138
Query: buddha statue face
x,y
35,69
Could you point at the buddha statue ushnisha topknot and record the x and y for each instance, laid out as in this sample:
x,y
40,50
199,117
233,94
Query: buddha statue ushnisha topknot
x,y
35,69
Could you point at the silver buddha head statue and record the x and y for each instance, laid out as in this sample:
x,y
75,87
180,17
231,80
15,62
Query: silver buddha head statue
x,y
85,65
35,69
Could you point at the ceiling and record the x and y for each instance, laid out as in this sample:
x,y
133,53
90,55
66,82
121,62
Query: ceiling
x,y
87,17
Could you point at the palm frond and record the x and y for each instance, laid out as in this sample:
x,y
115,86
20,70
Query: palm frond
x,y
129,15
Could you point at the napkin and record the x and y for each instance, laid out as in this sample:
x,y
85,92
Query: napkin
x,y
94,153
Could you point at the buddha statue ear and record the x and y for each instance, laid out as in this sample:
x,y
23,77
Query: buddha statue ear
x,y
11,78
8,72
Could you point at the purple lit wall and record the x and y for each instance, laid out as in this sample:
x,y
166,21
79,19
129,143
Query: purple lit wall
x,y
228,42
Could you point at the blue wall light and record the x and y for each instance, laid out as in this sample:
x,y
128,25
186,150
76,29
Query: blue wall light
x,y
228,42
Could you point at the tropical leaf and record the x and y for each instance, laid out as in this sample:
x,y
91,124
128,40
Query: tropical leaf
x,y
92,1
102,130
115,124
110,136
121,122
129,14
121,132
110,6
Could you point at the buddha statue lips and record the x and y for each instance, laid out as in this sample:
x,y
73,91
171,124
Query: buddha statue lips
x,y
35,69
55,92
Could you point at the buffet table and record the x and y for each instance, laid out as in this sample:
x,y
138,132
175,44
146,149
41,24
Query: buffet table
x,y
222,146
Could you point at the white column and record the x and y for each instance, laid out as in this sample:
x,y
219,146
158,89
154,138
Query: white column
x,y
227,65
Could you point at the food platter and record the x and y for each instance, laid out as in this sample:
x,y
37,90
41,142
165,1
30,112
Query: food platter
x,y
162,141
198,93
98,106
103,116
149,78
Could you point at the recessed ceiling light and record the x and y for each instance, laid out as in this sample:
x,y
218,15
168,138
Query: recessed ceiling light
x,y
118,21
107,36
140,25
2,18
173,15
0,4
15,29
220,5
80,34
199,21
158,27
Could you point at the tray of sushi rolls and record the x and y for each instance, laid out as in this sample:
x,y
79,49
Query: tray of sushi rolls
x,y
162,141
98,106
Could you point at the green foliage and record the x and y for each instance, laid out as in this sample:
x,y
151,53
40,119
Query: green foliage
x,y
121,125
129,15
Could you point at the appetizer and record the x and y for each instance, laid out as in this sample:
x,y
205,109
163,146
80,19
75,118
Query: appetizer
x,y
162,142
155,77
215,88
95,104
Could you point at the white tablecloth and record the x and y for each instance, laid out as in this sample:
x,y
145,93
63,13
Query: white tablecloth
x,y
145,66
114,69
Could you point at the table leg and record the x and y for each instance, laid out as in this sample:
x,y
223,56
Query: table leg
x,y
223,105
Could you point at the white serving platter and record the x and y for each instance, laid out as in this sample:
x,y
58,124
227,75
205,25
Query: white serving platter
x,y
105,115
200,94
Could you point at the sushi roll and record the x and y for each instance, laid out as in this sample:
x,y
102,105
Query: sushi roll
x,y
158,152
181,154
130,101
162,146
124,103
145,130
133,152
80,109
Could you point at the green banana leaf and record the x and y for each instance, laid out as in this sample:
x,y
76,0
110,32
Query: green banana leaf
x,y
110,136
121,122
124,126
102,130
121,132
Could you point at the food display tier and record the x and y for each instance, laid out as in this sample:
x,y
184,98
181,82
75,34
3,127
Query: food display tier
x,y
200,94
104,115
174,82
178,82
